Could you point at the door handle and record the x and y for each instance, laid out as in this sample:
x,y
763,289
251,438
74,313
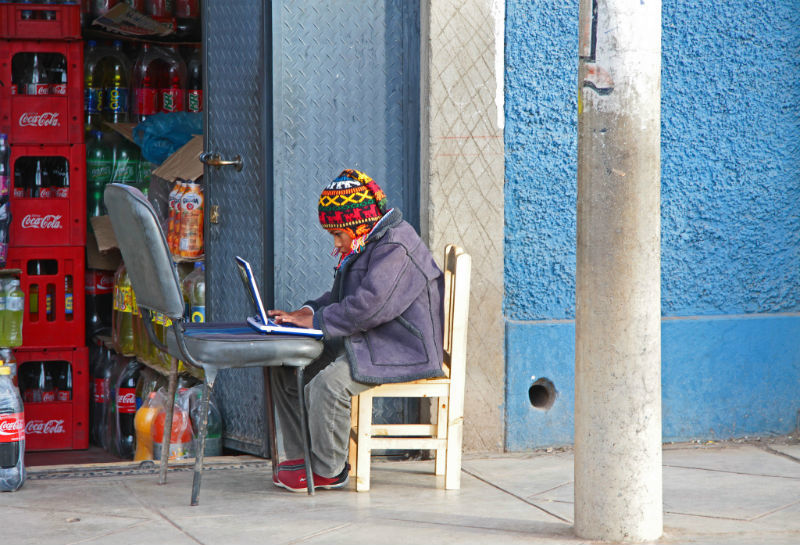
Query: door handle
x,y
215,160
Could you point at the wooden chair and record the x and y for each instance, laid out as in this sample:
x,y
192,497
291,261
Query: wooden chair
x,y
445,434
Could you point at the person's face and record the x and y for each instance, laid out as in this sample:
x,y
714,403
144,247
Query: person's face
x,y
342,241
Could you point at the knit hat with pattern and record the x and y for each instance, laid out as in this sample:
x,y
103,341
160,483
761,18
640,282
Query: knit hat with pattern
x,y
353,203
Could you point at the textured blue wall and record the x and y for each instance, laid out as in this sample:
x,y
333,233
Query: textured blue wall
x,y
721,377
730,222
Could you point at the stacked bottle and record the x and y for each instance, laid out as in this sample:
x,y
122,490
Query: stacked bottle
x,y
43,222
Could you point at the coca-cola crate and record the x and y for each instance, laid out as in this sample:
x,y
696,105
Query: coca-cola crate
x,y
41,118
40,21
56,424
53,282
53,220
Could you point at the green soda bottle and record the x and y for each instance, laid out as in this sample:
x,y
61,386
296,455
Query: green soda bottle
x,y
15,307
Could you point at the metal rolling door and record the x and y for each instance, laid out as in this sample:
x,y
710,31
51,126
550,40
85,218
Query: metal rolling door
x,y
300,90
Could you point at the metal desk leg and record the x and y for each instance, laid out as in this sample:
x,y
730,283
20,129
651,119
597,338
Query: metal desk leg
x,y
165,441
198,456
271,418
304,425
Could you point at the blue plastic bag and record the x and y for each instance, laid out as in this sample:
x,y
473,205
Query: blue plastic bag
x,y
162,134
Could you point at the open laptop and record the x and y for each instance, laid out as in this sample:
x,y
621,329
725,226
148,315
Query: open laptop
x,y
261,322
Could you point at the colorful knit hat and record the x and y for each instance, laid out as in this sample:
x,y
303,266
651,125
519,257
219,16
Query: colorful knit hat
x,y
353,203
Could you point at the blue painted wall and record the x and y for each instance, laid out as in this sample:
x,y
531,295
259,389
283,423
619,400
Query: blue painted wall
x,y
730,222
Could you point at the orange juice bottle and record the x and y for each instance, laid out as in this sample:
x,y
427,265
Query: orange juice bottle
x,y
173,201
191,240
143,423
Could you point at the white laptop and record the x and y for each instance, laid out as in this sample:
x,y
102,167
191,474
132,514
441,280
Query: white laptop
x,y
261,322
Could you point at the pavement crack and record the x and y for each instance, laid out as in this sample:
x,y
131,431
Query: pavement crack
x,y
319,533
517,496
768,448
160,514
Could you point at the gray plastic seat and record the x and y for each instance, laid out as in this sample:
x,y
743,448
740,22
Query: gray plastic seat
x,y
210,346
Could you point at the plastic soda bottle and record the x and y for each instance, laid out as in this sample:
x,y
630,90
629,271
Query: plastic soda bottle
x,y
172,94
181,443
126,408
123,312
191,239
125,157
213,427
194,82
146,84
199,296
12,434
15,307
99,165
143,422
116,83
173,219
93,85
2,312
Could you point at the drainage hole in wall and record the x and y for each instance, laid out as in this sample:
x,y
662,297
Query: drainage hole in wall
x,y
542,394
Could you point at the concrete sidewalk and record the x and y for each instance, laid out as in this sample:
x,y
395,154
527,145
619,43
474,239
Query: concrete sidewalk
x,y
731,493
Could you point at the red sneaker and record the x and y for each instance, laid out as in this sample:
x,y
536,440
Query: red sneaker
x,y
295,480
287,465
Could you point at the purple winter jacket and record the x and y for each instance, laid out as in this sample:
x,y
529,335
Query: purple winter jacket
x,y
386,304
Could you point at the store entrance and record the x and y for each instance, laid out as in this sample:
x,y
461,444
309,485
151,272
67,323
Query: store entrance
x,y
286,94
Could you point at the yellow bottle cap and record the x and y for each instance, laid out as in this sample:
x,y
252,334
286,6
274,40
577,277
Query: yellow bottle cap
x,y
5,370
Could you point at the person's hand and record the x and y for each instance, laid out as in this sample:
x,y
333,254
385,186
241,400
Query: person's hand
x,y
303,317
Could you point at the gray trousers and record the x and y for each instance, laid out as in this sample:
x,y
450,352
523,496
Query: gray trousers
x,y
327,397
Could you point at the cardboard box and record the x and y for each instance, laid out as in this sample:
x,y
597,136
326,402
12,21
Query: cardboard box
x,y
106,260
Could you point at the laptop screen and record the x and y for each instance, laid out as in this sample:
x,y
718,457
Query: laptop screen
x,y
250,286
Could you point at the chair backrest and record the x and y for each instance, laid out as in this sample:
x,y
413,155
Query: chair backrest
x,y
144,249
457,270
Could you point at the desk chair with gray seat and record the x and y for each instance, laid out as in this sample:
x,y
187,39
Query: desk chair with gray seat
x,y
209,346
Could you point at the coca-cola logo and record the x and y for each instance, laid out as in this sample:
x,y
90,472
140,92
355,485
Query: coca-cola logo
x,y
45,427
11,427
44,119
38,221
126,399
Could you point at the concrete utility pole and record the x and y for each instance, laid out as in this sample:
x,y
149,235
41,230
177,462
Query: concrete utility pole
x,y
618,484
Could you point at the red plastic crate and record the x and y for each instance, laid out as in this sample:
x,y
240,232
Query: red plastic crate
x,y
59,327
37,119
54,221
47,21
57,425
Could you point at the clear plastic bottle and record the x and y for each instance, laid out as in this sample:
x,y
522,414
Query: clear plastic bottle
x,y
93,85
99,167
126,157
187,289
123,312
15,307
198,297
146,83
2,313
5,171
116,72
194,81
12,439
213,427
172,97
35,78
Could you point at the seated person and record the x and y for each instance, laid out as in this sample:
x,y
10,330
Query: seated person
x,y
382,322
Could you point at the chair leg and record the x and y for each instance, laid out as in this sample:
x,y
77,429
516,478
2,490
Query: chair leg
x,y
441,431
165,441
201,446
304,425
364,447
273,423
455,430
352,451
